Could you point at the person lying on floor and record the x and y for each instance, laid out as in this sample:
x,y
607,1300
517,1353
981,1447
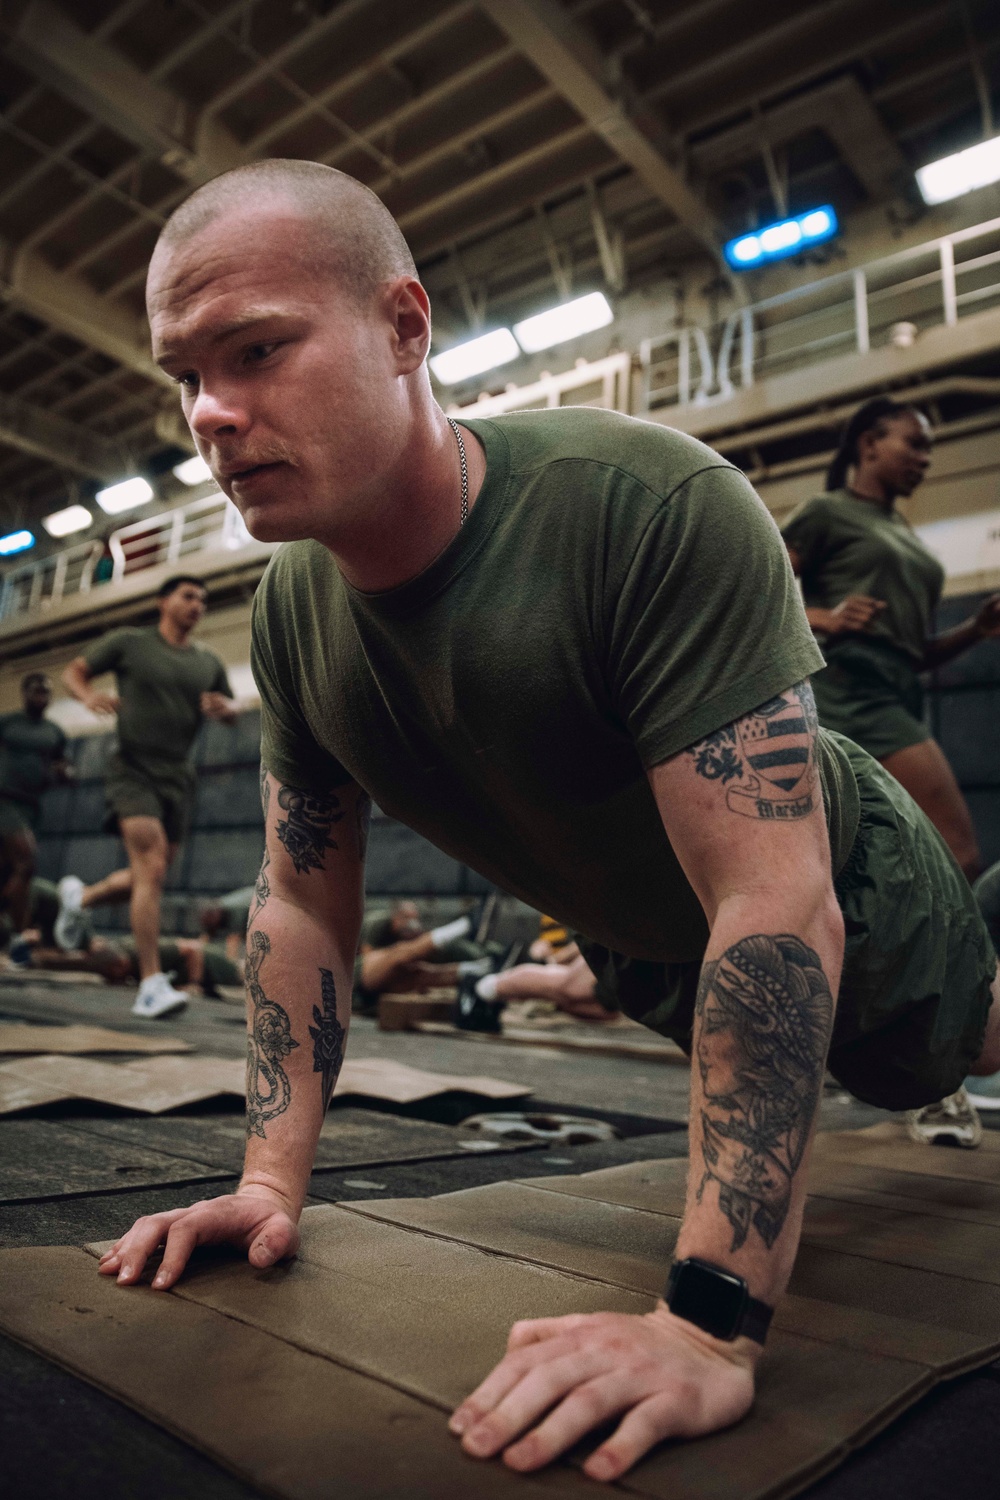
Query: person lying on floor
x,y
566,646
396,956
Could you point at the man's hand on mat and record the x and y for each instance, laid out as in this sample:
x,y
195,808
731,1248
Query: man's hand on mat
x,y
256,1219
561,1377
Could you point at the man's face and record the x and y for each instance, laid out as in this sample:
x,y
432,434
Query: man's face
x,y
284,380
406,921
184,606
37,695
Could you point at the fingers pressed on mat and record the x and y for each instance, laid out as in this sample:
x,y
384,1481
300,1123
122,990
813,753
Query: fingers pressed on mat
x,y
585,1408
531,1397
498,1383
640,1430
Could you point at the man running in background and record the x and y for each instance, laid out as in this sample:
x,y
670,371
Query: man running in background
x,y
166,686
32,758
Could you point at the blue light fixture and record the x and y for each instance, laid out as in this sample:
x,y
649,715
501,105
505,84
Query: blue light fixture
x,y
787,237
15,541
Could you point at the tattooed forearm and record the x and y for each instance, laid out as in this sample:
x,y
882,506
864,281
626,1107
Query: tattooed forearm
x,y
305,832
363,814
766,760
270,1040
262,888
765,1012
328,1036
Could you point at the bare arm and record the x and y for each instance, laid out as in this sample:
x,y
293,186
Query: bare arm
x,y
984,625
77,679
301,941
219,706
851,615
744,813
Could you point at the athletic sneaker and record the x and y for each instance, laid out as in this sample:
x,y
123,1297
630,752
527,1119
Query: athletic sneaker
x,y
19,953
157,997
471,1012
950,1122
70,924
984,1093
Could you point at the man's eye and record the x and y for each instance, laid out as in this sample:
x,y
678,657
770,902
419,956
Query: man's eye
x,y
188,381
258,352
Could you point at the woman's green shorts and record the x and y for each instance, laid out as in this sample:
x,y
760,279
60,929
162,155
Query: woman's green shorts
x,y
918,961
870,692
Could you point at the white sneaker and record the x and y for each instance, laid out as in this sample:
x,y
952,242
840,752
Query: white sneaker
x,y
950,1122
70,924
157,997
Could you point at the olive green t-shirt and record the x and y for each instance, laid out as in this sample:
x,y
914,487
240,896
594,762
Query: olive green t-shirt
x,y
160,688
28,748
852,546
617,593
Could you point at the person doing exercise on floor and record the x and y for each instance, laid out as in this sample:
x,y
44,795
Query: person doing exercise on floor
x,y
566,646
167,686
871,588
32,758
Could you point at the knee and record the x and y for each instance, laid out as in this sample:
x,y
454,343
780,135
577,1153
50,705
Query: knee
x,y
150,865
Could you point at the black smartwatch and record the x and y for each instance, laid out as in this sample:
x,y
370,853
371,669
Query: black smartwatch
x,y
716,1301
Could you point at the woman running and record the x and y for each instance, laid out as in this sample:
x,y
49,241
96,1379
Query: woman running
x,y
871,588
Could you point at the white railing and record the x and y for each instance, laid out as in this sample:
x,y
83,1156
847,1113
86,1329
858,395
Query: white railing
x,y
212,524
603,383
892,300
176,536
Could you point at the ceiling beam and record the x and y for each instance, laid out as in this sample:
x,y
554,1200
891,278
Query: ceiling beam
x,y
564,54
32,430
842,110
70,304
103,83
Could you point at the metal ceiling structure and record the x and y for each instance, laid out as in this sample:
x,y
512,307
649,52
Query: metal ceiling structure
x,y
525,147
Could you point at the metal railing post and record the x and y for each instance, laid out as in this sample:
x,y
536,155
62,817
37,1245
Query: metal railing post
x,y
746,347
948,293
861,334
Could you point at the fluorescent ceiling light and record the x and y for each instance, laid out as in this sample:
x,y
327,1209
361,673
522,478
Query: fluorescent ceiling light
x,y
975,167
475,356
192,470
15,541
65,522
124,496
776,241
569,321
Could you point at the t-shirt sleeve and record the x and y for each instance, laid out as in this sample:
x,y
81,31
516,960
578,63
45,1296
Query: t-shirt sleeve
x,y
807,530
220,682
106,654
708,622
288,747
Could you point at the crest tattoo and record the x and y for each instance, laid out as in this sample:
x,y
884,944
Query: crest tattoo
x,y
765,1013
767,759
269,1090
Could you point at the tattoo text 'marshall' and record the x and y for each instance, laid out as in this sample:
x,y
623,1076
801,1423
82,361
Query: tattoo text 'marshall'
x,y
766,760
765,1012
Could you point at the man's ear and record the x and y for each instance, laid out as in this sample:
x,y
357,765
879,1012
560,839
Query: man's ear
x,y
410,310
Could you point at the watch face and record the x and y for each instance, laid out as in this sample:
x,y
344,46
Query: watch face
x,y
710,1298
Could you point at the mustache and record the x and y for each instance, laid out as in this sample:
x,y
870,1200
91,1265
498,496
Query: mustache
x,y
252,458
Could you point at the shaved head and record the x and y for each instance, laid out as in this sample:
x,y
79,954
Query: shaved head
x,y
356,240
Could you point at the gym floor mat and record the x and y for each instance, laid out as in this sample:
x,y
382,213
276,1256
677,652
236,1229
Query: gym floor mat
x,y
343,1363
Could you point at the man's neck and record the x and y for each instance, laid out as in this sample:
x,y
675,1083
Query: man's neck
x,y
173,634
416,512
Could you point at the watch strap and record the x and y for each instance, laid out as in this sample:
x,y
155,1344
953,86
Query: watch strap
x,y
756,1320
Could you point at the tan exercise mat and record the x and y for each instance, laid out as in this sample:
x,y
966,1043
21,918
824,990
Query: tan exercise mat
x,y
20,1037
350,1355
162,1083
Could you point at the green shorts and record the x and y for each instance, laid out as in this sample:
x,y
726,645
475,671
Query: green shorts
x,y
870,692
918,961
17,816
165,792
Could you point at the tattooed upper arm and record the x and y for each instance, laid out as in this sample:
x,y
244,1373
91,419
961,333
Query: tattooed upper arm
x,y
766,761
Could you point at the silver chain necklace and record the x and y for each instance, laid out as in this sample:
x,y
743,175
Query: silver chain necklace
x,y
465,469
